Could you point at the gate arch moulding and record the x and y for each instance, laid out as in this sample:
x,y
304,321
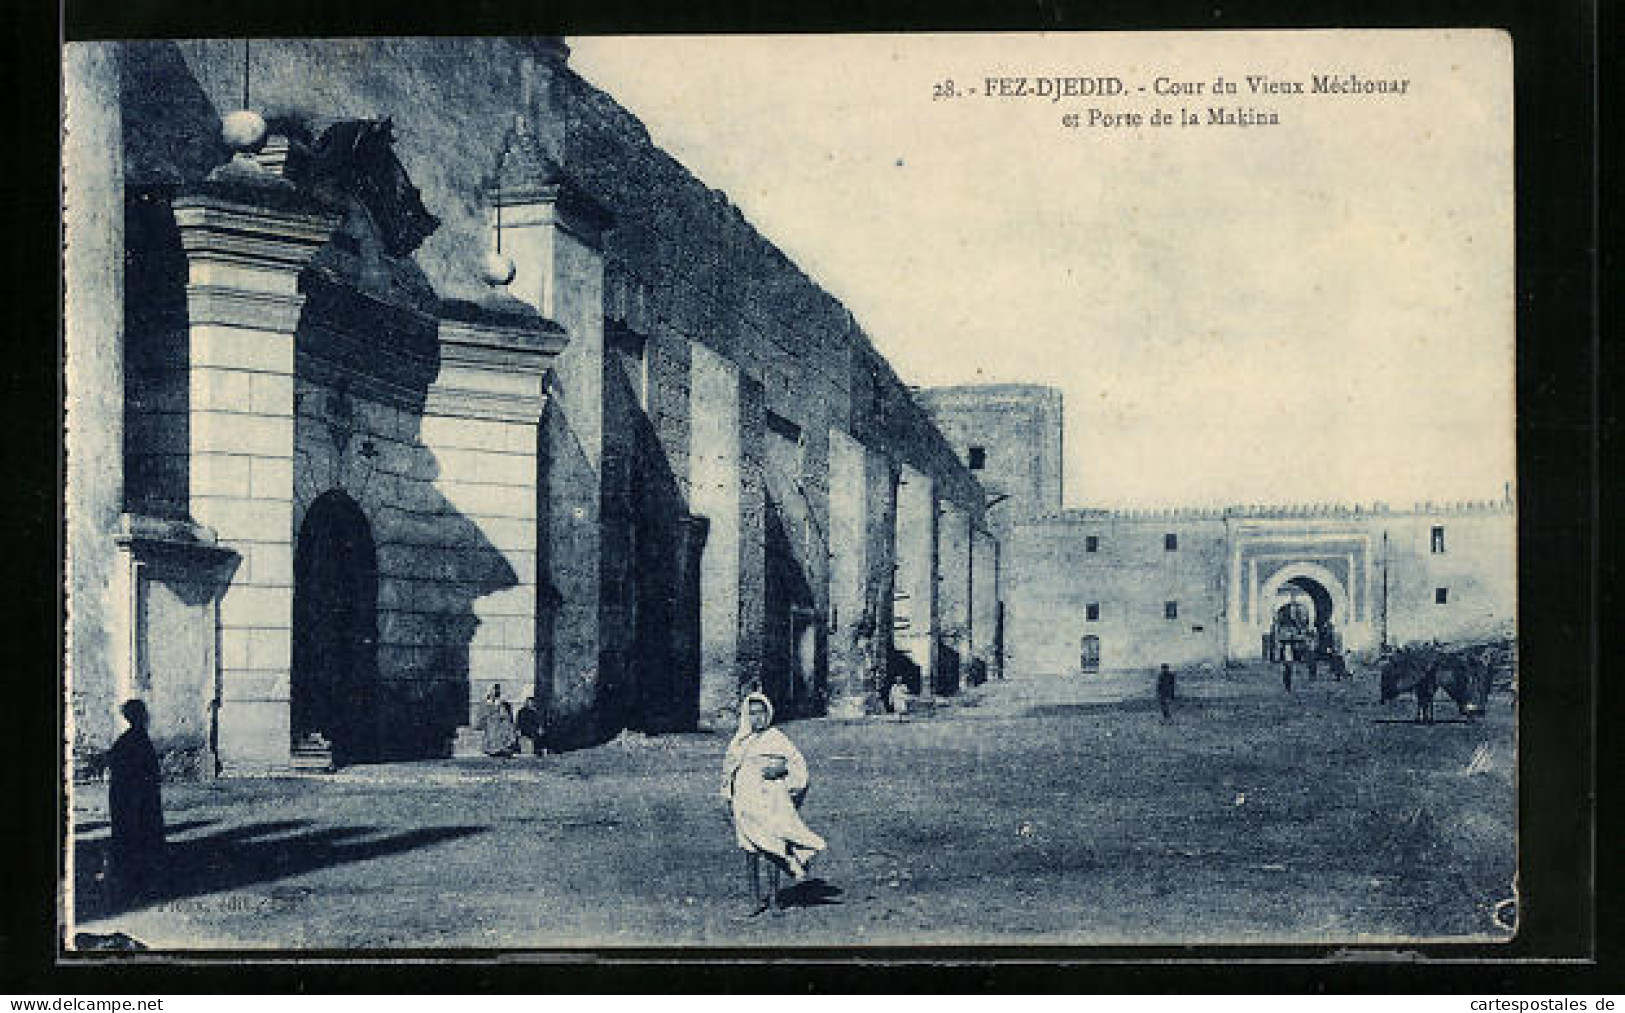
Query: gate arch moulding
x,y
1335,589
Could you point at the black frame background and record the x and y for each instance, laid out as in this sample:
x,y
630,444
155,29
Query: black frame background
x,y
1566,434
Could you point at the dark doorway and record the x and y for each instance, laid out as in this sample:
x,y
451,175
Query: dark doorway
x,y
791,628
335,632
1301,631
1089,654
1318,595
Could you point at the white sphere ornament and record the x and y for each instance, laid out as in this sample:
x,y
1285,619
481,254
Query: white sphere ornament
x,y
243,130
498,268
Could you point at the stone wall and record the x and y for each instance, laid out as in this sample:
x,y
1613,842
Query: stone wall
x,y
1053,578
1477,569
655,531
1232,567
93,216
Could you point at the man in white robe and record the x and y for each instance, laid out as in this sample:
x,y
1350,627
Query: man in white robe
x,y
764,778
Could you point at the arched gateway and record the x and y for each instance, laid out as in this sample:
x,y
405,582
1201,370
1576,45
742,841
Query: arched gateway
x,y
1327,595
335,632
1304,603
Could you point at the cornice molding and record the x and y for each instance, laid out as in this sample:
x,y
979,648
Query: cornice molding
x,y
243,309
562,204
257,235
487,405
499,347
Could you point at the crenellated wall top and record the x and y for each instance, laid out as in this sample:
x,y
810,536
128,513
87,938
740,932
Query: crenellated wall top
x,y
1269,511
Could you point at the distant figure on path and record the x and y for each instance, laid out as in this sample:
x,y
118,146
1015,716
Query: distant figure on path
x,y
1165,692
496,722
528,723
764,778
1332,643
136,808
1286,671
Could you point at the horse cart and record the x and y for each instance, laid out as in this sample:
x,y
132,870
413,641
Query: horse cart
x,y
1294,636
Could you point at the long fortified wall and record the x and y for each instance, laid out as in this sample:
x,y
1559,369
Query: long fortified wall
x,y
703,496
1098,589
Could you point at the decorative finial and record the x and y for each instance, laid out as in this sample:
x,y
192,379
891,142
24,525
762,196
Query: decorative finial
x,y
243,131
498,269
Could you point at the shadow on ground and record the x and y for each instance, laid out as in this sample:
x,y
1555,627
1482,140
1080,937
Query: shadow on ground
x,y
253,853
810,893
171,829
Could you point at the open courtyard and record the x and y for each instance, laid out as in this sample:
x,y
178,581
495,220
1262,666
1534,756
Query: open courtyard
x,y
1057,810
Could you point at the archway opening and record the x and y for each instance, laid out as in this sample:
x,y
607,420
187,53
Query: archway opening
x,y
1320,599
1302,606
333,692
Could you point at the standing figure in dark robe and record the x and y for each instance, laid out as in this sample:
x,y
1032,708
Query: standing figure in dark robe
x,y
136,809
1165,692
528,722
501,738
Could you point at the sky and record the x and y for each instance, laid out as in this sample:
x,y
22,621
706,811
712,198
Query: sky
x,y
1319,310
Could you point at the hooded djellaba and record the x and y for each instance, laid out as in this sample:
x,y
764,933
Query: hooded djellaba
x,y
135,809
765,778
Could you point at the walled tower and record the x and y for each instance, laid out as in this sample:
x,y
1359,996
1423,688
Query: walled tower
x,y
1009,436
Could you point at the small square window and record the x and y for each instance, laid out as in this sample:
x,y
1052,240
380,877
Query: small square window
x,y
1170,542
1438,538
1091,543
1170,610
978,458
1441,596
1091,612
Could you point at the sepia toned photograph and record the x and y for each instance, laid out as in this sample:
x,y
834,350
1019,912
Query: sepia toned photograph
x,y
570,493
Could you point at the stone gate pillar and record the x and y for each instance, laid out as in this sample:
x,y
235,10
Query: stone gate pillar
x,y
714,481
954,615
247,236
851,630
491,390
984,576
554,233
915,593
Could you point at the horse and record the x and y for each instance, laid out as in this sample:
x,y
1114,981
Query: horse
x,y
1425,669
353,165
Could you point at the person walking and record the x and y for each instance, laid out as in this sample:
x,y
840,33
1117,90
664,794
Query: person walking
x,y
765,780
1165,692
528,723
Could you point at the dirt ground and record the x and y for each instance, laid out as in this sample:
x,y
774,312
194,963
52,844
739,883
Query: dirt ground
x,y
1040,810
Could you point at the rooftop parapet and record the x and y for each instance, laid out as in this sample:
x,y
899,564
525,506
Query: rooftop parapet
x,y
1264,511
